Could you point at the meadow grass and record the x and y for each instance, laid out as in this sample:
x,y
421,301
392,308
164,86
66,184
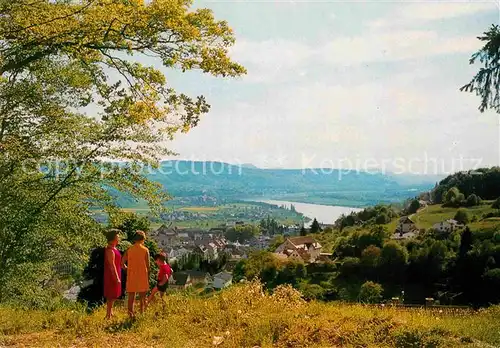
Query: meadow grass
x,y
436,213
245,316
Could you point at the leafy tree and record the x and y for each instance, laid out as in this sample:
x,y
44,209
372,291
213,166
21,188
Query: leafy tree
x,y
462,216
242,233
367,216
375,236
370,257
393,261
269,226
473,200
291,272
72,92
315,228
414,206
350,267
435,262
370,292
452,196
129,224
261,264
382,219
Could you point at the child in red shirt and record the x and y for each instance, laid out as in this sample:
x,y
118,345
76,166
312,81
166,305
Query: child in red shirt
x,y
164,274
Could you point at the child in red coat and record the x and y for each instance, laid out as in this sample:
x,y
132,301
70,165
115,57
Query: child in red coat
x,y
164,274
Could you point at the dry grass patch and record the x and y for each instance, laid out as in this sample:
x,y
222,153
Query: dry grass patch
x,y
245,316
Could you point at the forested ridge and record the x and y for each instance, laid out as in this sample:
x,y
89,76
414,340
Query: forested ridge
x,y
483,182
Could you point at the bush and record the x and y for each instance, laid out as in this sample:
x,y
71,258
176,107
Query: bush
x,y
312,291
26,296
462,216
418,338
414,206
370,257
382,219
451,196
473,200
370,292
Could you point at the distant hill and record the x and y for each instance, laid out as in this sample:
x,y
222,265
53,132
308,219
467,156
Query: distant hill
x,y
323,186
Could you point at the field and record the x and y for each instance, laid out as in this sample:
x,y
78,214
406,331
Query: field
x,y
243,316
427,217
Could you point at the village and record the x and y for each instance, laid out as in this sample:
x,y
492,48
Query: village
x,y
211,244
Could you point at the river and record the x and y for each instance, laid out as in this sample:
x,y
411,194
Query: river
x,y
326,214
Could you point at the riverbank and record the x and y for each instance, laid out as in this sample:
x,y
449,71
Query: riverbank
x,y
326,214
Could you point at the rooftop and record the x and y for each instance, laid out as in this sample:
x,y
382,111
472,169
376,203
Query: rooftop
x,y
224,276
302,240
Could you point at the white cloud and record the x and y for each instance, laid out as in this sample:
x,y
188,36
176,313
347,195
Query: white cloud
x,y
265,60
397,36
394,46
274,61
415,14
441,10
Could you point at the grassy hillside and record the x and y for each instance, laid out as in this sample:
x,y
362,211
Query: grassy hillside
x,y
243,316
427,217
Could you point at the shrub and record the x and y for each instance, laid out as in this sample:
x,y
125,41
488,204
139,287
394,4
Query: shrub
x,y
370,292
473,200
414,206
418,338
462,216
382,219
312,291
370,257
451,196
287,295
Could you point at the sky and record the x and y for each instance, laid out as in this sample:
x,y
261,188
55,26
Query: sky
x,y
339,84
